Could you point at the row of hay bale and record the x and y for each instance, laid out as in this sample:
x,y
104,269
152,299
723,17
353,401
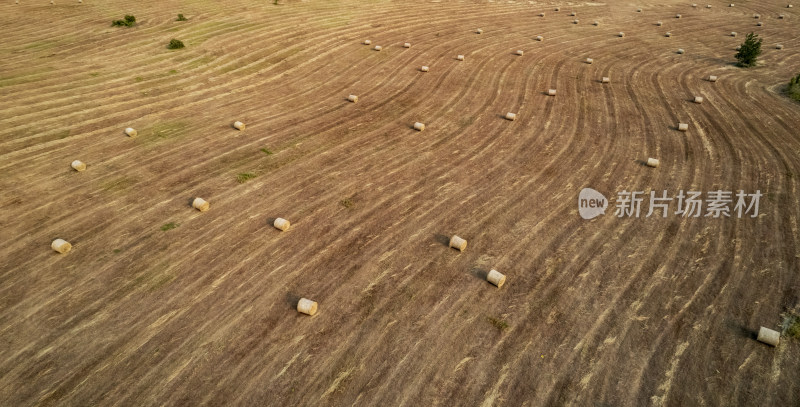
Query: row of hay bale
x,y
552,92
79,165
198,203
653,162
509,116
310,307
495,277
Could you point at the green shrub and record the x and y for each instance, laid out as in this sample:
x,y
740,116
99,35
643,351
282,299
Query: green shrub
x,y
244,177
749,51
794,88
794,329
175,44
181,18
128,21
498,323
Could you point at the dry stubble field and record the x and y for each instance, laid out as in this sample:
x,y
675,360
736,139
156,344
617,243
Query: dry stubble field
x,y
603,312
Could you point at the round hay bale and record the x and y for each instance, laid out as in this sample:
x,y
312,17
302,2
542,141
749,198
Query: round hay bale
x,y
681,51
652,162
769,336
668,34
78,165
131,132
621,34
683,127
60,245
694,5
367,42
281,224
698,99
780,17
519,52
677,16
733,33
756,16
708,6
460,57
589,60
573,14
575,21
779,46
541,14
511,116
712,78
759,24
239,126
789,6
495,277
479,31
419,126
595,23
200,204
458,243
539,38
730,5
353,98
659,23
424,68
551,92
407,45
307,306
638,10
377,48
559,8
605,79
738,47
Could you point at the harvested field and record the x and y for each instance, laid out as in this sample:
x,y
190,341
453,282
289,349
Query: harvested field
x,y
158,303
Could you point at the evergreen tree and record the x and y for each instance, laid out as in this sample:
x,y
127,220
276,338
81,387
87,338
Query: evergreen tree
x,y
750,50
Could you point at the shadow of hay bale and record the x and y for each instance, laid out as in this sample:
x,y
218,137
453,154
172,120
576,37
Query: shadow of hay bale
x,y
442,239
291,300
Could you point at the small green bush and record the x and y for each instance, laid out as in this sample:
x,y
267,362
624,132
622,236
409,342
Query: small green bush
x,y
498,323
175,44
169,226
794,329
794,88
128,21
749,51
244,177
181,18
